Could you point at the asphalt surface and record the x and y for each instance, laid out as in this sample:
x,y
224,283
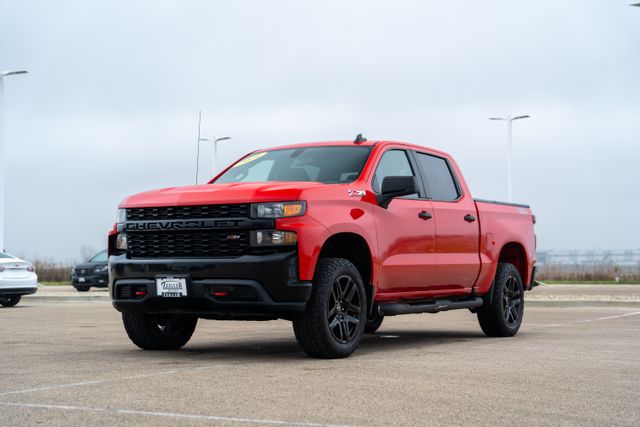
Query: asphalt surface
x,y
71,363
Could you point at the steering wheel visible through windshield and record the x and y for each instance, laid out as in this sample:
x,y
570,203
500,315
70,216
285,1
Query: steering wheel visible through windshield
x,y
325,164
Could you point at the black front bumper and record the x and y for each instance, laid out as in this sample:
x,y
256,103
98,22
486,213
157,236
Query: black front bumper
x,y
98,280
256,286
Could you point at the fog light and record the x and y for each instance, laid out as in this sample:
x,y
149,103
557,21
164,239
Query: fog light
x,y
121,242
273,238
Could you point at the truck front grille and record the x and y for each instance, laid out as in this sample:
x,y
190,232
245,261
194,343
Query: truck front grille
x,y
188,212
188,244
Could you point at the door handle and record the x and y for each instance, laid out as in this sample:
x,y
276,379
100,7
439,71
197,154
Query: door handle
x,y
425,215
469,218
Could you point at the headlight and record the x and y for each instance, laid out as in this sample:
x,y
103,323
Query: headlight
x,y
278,209
121,242
273,238
100,269
121,216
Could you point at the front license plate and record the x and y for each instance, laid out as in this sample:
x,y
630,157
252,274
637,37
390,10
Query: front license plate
x,y
171,287
81,279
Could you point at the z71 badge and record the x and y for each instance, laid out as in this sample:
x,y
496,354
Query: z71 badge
x,y
356,193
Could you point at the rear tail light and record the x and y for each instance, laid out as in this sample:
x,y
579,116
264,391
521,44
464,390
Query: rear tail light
x,y
31,269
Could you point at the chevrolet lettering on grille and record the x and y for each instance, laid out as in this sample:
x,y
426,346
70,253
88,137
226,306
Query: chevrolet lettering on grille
x,y
203,224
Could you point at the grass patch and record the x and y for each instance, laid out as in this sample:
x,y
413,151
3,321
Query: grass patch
x,y
61,283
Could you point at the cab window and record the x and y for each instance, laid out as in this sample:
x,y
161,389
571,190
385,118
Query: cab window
x,y
392,163
437,177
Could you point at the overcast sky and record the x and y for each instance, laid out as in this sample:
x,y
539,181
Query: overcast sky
x,y
110,105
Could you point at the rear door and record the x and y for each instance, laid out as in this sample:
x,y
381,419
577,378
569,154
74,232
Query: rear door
x,y
456,224
406,233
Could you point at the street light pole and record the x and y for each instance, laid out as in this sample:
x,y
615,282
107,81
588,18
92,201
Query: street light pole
x,y
509,120
3,74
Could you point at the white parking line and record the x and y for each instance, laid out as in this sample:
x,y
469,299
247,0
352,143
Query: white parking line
x,y
635,313
597,319
169,414
132,377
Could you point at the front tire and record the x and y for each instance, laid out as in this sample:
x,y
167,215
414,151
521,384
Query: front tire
x,y
159,332
336,313
503,316
10,301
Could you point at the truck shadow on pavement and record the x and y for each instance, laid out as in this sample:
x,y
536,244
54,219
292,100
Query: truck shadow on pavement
x,y
277,349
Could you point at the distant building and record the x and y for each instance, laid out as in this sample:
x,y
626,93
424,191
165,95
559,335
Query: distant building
x,y
625,258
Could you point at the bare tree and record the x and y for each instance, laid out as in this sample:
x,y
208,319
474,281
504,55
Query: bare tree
x,y
87,252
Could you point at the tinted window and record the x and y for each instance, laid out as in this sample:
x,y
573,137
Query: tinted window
x,y
328,164
438,177
392,163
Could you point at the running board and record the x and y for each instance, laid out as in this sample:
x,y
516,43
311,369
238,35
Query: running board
x,y
434,306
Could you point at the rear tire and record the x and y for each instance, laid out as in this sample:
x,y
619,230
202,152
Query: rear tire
x,y
503,316
10,301
159,332
336,313
373,323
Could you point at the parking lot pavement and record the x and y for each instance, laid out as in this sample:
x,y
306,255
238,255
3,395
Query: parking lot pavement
x,y
71,363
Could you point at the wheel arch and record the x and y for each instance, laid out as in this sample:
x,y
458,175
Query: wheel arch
x,y
515,253
353,247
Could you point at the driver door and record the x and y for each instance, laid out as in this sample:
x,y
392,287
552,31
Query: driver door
x,y
406,233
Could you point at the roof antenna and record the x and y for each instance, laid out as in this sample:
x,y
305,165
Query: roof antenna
x,y
359,139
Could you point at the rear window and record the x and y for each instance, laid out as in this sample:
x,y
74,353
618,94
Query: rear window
x,y
326,164
438,177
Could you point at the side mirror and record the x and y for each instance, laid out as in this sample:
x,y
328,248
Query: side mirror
x,y
396,186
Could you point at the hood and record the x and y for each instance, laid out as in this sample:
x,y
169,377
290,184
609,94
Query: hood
x,y
209,194
90,264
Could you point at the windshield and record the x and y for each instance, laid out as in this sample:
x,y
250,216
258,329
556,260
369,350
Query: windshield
x,y
326,164
99,257
3,255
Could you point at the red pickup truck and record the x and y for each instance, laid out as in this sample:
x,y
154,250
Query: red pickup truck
x,y
333,236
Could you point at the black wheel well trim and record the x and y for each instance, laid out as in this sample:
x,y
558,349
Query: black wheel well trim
x,y
354,248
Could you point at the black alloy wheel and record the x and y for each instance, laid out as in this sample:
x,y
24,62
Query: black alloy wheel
x,y
512,301
333,322
502,312
344,308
